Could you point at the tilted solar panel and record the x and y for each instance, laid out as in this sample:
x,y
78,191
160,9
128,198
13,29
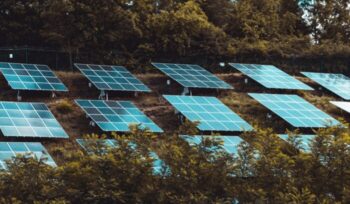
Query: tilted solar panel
x,y
336,83
210,112
116,115
295,110
342,105
112,78
303,140
19,119
9,150
31,77
270,76
229,143
111,143
192,76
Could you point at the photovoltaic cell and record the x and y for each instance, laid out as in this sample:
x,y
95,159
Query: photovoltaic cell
x,y
342,105
295,110
270,76
19,119
31,77
210,112
116,115
336,83
9,150
304,140
111,143
192,76
229,143
112,78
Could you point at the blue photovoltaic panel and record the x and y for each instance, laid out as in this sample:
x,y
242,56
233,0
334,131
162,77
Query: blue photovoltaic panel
x,y
304,140
270,76
192,76
112,78
29,120
31,77
116,115
9,150
342,105
229,143
111,143
210,112
336,83
295,110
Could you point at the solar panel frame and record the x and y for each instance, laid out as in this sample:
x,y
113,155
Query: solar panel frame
x,y
342,105
270,76
111,78
8,150
304,140
22,119
35,77
295,110
116,116
338,84
212,114
192,76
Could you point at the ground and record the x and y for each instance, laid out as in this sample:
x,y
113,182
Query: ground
x,y
76,124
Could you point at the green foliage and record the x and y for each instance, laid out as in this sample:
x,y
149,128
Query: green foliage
x,y
64,106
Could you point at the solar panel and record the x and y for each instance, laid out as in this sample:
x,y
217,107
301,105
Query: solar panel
x,y
112,78
229,143
111,143
295,110
342,105
19,119
31,77
270,76
210,112
192,76
303,140
336,83
8,150
116,115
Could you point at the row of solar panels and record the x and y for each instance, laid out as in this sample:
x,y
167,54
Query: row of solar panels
x,y
9,150
117,78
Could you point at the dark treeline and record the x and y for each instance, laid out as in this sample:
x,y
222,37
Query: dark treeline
x,y
292,34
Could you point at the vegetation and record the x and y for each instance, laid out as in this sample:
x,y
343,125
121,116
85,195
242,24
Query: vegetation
x,y
312,34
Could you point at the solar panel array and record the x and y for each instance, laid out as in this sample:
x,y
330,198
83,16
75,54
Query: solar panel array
x,y
111,143
192,76
295,110
116,115
9,150
229,143
112,78
303,140
29,120
270,76
31,77
210,112
342,105
336,83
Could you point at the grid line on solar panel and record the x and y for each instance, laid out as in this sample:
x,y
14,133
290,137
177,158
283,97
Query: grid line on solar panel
x,y
336,83
270,76
295,110
229,143
303,140
342,105
210,112
112,143
31,77
192,76
113,78
8,150
20,119
116,115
